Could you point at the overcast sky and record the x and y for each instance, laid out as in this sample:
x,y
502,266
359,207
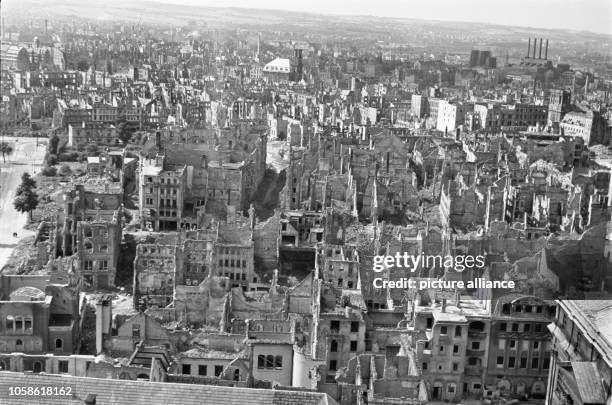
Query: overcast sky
x,y
590,15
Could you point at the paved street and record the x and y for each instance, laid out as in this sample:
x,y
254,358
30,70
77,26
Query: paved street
x,y
27,157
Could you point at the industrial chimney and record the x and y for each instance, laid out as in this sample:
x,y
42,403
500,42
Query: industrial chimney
x,y
535,45
546,51
529,47
540,55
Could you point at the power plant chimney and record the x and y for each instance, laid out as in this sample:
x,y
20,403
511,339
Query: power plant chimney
x,y
529,47
546,51
540,55
535,45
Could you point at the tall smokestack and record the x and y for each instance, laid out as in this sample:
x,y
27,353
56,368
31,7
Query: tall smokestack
x,y
529,47
546,51
540,55
535,45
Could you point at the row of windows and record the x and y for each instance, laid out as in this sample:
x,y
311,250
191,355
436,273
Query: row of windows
x,y
18,324
89,248
88,265
232,263
335,326
516,327
90,232
269,362
522,363
334,346
349,284
514,344
538,309
202,369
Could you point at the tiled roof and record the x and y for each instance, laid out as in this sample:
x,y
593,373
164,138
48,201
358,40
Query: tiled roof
x,y
112,392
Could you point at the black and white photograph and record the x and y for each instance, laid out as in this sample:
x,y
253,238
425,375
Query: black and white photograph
x,y
328,202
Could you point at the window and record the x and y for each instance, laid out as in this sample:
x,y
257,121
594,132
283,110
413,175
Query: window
x,y
62,366
59,343
455,348
28,324
354,326
424,366
443,330
88,265
104,248
353,347
511,362
523,362
18,323
536,345
218,370
104,265
546,363
458,331
502,327
512,344
269,361
19,343
538,327
334,326
500,361
526,327
429,323
455,366
515,327
475,345
333,346
10,323
202,369
278,362
261,361
186,368
441,349
535,362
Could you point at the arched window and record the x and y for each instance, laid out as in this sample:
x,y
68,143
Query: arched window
x,y
19,343
37,366
59,344
2,365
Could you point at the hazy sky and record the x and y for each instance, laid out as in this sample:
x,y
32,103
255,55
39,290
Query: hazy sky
x,y
590,15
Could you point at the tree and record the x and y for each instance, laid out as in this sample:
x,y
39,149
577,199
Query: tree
x,y
65,170
53,144
23,59
6,150
124,132
26,199
83,66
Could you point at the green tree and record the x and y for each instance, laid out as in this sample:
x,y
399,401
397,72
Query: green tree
x,y
26,199
6,150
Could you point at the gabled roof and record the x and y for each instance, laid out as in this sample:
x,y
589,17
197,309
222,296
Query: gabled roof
x,y
111,391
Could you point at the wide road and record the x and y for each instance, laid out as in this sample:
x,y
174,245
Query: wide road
x,y
27,157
